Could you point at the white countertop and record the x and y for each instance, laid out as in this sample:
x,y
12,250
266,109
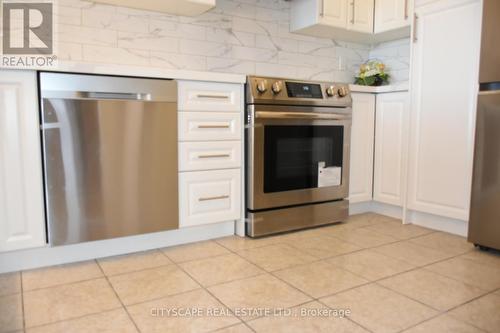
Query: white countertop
x,y
127,70
399,86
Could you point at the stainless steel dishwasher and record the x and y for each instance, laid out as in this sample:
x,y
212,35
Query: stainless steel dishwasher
x,y
110,156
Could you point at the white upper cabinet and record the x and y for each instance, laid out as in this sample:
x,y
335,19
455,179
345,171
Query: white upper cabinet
x,y
392,14
391,143
360,15
334,12
22,223
362,140
444,86
352,20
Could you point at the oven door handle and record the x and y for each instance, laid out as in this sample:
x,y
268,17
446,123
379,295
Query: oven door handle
x,y
301,115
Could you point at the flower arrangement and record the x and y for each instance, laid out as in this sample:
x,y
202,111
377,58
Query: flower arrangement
x,y
372,73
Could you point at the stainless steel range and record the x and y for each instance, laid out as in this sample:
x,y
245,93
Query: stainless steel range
x,y
298,139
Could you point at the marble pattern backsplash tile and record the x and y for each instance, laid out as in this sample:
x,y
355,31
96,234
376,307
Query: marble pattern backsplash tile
x,y
238,36
396,56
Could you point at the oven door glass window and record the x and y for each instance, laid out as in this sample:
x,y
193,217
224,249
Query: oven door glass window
x,y
302,157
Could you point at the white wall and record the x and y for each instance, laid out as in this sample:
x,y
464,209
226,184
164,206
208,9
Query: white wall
x,y
238,36
396,55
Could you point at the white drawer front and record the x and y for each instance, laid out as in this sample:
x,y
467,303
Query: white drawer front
x,y
209,197
209,155
209,96
201,126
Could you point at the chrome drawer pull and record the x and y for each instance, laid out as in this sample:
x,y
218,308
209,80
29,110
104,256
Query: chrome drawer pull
x,y
213,96
214,198
213,126
214,156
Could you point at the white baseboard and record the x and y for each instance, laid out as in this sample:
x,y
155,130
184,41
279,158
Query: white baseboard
x,y
452,226
48,256
376,207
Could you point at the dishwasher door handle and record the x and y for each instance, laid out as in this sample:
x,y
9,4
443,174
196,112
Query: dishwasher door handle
x,y
113,95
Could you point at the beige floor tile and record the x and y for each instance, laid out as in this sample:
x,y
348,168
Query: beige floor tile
x,y
443,324
370,264
324,247
399,230
11,313
274,257
48,305
61,274
379,309
483,312
469,271
10,283
412,253
240,328
367,219
151,284
363,237
236,243
105,322
488,258
165,321
320,278
194,251
133,262
220,269
309,318
444,242
437,291
258,292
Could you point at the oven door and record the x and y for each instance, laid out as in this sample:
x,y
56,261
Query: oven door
x,y
297,155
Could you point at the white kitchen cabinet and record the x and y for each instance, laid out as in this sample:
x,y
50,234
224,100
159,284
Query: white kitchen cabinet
x,y
22,221
391,142
209,96
209,197
362,145
210,153
334,13
352,20
203,126
360,15
444,85
392,14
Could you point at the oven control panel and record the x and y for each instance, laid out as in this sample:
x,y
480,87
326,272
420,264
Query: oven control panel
x,y
287,91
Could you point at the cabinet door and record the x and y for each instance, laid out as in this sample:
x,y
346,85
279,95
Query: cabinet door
x,y
360,15
209,197
391,142
334,12
444,87
392,14
22,221
362,138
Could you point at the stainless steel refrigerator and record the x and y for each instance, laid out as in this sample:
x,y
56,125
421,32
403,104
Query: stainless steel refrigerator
x,y
484,223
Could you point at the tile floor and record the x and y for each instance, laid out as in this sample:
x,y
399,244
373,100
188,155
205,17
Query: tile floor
x,y
392,278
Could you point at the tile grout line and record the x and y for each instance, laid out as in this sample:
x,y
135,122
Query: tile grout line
x,y
216,298
69,319
348,318
22,301
118,297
